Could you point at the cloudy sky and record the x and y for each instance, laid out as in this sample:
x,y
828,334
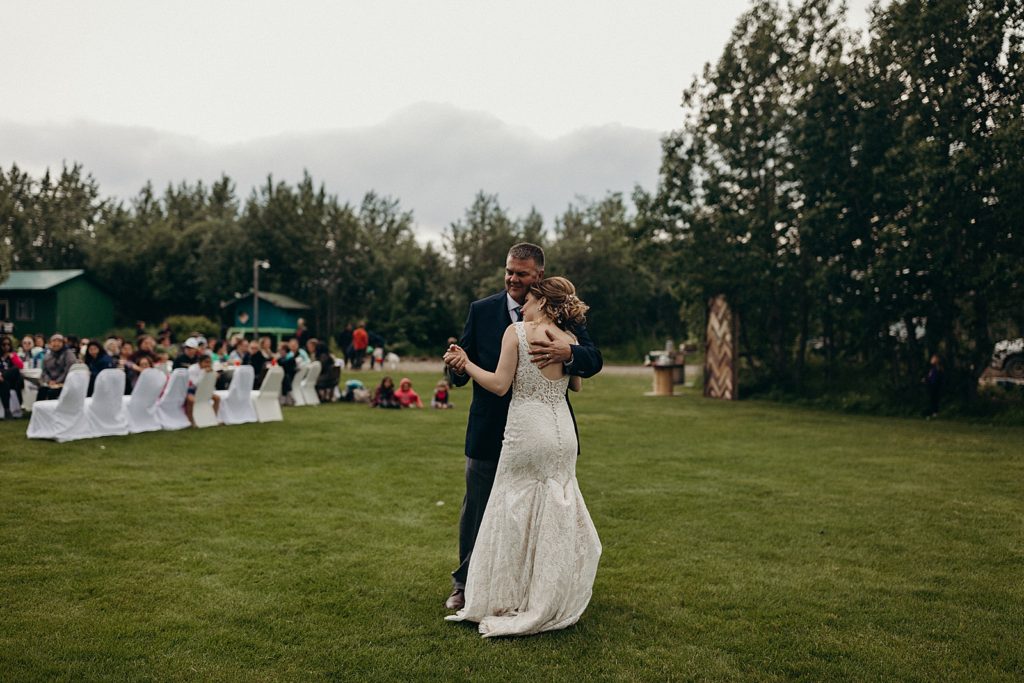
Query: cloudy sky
x,y
427,101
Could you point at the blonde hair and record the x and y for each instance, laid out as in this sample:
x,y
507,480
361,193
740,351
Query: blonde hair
x,y
560,302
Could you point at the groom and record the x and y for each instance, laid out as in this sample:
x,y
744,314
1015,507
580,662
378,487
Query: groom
x,y
481,340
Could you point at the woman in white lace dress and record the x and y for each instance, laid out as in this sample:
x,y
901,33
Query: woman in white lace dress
x,y
536,554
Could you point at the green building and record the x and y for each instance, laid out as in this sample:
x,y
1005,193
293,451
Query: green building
x,y
279,314
48,301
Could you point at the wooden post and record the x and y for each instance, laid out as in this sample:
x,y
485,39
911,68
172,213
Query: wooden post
x,y
721,357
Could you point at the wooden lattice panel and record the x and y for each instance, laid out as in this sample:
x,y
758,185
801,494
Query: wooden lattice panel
x,y
721,358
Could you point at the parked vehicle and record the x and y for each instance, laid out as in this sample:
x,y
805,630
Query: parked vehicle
x,y
1008,356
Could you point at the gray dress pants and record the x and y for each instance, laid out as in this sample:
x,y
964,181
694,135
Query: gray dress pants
x,y
479,480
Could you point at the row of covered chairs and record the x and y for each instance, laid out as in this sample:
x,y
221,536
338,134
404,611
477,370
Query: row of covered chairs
x,y
304,385
157,402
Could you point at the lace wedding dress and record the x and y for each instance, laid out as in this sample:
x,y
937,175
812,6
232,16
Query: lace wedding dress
x,y
536,554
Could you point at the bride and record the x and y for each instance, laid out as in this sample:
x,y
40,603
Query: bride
x,y
536,554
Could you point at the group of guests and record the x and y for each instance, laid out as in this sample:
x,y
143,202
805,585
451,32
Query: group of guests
x,y
291,355
55,357
386,396
198,354
361,345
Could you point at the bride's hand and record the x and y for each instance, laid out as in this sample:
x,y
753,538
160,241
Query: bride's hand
x,y
456,358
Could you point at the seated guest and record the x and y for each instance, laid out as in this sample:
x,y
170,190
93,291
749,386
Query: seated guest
x,y
300,354
76,345
131,369
289,364
127,351
196,371
240,353
143,364
113,347
10,375
259,356
98,360
56,363
384,396
147,348
355,391
219,351
327,382
441,399
406,396
189,354
27,353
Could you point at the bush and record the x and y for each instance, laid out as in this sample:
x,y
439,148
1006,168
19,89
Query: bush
x,y
184,325
126,333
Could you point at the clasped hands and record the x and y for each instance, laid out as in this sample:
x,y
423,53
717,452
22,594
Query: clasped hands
x,y
543,352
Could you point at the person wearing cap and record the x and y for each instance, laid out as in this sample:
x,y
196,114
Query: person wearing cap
x,y
189,354
406,396
56,363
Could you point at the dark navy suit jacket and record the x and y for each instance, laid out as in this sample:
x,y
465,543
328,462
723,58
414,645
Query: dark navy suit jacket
x,y
481,339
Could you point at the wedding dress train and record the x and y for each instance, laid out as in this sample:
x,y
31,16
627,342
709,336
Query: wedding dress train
x,y
536,554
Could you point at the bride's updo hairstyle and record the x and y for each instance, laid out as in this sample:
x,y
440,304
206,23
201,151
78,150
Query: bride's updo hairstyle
x,y
560,301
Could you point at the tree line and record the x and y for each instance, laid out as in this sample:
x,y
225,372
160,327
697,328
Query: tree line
x,y
858,196
858,199
190,248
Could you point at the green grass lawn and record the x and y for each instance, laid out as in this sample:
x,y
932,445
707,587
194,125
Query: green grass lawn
x,y
742,541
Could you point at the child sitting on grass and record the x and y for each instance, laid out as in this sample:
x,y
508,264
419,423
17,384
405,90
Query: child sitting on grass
x,y
384,397
440,399
406,396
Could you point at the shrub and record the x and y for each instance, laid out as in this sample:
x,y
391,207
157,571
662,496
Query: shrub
x,y
184,325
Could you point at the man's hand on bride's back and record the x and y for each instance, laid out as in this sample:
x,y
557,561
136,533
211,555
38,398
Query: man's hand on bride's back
x,y
545,352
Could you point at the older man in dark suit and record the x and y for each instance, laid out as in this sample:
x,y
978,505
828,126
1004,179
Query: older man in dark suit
x,y
481,339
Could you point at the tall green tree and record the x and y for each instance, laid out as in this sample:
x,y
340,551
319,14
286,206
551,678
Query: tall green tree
x,y
477,246
947,249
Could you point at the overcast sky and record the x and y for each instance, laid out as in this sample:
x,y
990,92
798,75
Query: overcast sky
x,y
428,101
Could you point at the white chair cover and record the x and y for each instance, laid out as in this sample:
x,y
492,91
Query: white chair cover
x,y
298,397
140,406
106,406
267,401
309,394
78,367
63,418
236,403
29,393
202,410
170,408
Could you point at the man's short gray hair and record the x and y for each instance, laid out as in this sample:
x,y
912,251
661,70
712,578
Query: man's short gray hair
x,y
525,250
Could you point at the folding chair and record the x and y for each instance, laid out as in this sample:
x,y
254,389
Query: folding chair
x,y
309,394
63,418
140,405
105,407
267,400
170,408
203,414
236,403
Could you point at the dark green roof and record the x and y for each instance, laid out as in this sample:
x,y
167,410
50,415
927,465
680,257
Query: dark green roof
x,y
279,300
38,279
